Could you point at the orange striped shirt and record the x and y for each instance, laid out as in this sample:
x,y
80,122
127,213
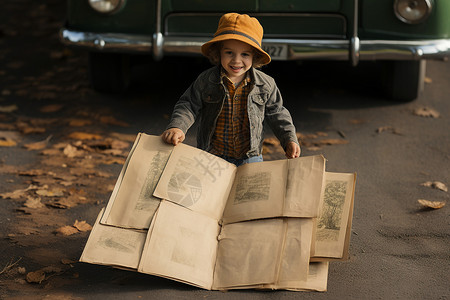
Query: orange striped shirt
x,y
232,134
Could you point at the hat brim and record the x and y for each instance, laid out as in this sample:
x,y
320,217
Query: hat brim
x,y
206,46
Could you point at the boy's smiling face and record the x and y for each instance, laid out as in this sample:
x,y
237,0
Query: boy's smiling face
x,y
236,58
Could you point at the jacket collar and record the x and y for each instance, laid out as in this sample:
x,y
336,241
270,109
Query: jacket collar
x,y
257,76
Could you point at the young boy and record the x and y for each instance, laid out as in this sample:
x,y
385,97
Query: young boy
x,y
233,98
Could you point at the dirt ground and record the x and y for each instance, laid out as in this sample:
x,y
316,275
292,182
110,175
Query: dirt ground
x,y
62,146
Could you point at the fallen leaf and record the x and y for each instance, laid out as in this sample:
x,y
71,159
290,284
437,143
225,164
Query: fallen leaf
x,y
8,138
17,194
82,226
71,151
84,136
36,277
55,192
431,204
110,120
124,137
38,145
7,142
8,108
356,121
66,230
27,129
436,185
389,129
426,112
51,108
79,122
33,202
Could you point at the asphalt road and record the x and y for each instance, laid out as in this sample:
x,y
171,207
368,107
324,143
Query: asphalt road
x,y
399,250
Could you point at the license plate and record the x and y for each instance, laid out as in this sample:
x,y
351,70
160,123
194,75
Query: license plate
x,y
276,51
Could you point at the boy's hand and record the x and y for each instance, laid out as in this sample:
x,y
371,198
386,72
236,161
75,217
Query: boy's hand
x,y
292,150
173,136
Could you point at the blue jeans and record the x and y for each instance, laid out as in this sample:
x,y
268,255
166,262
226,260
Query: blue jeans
x,y
242,161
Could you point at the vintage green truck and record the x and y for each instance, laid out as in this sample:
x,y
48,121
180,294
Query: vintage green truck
x,y
401,34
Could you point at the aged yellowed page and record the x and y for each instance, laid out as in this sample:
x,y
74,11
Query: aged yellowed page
x,y
197,180
182,246
249,253
316,280
132,203
333,228
114,246
258,192
304,186
296,252
282,188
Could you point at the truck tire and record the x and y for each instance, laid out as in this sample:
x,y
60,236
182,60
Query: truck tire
x,y
403,80
109,72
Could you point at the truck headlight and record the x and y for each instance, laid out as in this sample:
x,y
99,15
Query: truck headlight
x,y
106,6
412,11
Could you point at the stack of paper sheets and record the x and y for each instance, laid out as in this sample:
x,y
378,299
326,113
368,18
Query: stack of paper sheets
x,y
184,214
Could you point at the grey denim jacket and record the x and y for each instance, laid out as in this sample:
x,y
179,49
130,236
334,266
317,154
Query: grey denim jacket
x,y
205,98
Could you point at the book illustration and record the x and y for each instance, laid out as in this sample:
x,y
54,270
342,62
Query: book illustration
x,y
254,187
333,204
146,201
184,188
120,245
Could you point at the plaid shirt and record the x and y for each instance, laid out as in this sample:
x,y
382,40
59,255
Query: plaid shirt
x,y
232,134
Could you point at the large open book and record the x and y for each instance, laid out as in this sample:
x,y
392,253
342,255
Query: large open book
x,y
184,214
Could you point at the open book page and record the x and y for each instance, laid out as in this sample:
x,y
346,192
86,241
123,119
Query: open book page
x,y
114,246
296,252
304,186
132,203
197,180
294,261
182,246
333,226
249,253
282,188
316,280
258,192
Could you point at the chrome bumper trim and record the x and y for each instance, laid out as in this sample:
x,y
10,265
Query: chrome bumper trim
x,y
298,49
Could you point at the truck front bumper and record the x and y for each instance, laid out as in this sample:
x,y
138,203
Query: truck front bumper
x,y
297,49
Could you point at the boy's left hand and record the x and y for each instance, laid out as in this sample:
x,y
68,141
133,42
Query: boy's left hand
x,y
292,150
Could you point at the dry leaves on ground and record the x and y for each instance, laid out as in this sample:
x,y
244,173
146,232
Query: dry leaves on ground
x,y
84,136
426,112
78,226
436,185
8,108
40,275
431,204
8,138
388,129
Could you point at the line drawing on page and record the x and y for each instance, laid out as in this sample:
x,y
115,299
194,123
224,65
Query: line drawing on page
x,y
332,209
146,200
184,188
255,187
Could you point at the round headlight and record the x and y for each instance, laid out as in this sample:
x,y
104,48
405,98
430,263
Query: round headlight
x,y
106,6
412,11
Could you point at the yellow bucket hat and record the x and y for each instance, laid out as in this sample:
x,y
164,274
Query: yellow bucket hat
x,y
234,26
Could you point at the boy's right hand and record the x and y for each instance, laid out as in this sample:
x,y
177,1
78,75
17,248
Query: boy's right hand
x,y
173,136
